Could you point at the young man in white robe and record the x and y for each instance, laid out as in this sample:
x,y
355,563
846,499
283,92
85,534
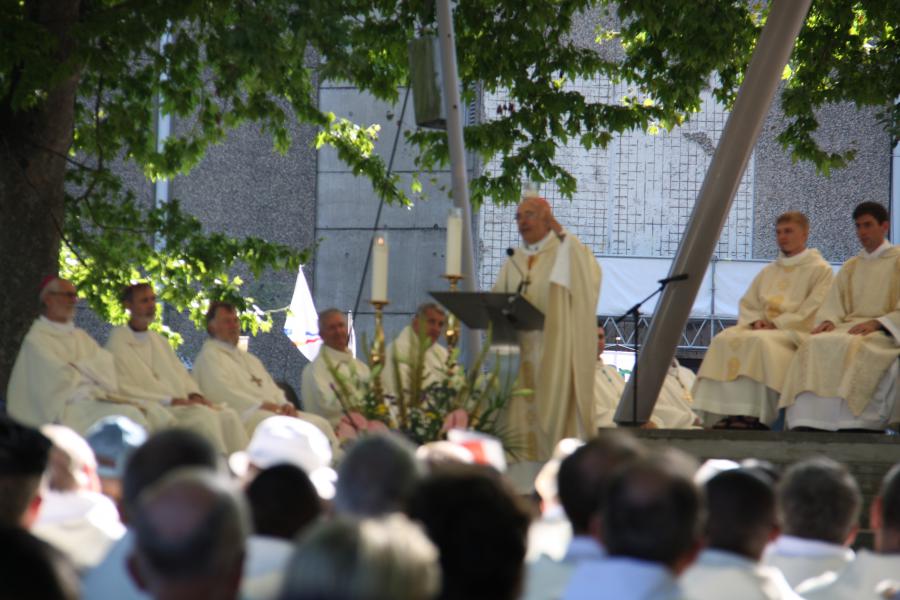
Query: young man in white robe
x,y
870,575
231,376
148,369
744,369
845,375
63,376
819,501
402,355
562,280
319,390
673,406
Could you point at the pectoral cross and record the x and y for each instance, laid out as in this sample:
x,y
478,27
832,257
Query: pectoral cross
x,y
256,380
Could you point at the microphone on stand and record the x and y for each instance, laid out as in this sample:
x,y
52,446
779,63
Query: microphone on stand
x,y
679,277
523,282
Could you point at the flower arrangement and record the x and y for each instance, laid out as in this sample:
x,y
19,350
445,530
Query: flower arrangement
x,y
421,408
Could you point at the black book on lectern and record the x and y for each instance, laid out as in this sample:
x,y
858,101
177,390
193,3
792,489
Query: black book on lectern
x,y
507,313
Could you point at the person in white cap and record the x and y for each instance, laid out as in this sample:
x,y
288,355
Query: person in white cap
x,y
61,375
75,517
148,369
284,440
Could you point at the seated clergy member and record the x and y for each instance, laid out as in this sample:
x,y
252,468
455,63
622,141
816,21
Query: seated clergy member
x,y
231,376
318,385
673,408
402,354
148,369
63,376
845,375
745,367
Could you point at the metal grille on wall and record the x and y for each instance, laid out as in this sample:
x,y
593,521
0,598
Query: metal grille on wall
x,y
634,197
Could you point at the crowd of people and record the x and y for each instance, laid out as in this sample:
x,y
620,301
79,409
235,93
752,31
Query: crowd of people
x,y
125,515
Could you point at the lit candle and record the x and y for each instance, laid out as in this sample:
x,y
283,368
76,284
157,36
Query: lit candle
x,y
380,267
454,243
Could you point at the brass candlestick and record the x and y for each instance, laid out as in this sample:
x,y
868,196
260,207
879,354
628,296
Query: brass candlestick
x,y
453,329
376,356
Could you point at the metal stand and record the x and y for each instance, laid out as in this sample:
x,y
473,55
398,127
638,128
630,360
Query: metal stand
x,y
453,326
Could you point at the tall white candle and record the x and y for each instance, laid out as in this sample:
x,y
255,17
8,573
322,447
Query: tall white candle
x,y
454,243
380,267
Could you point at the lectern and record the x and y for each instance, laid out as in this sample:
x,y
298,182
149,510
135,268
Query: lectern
x,y
506,313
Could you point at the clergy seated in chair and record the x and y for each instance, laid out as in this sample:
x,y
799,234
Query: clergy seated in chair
x,y
673,408
317,388
402,355
231,376
845,375
744,369
63,376
148,369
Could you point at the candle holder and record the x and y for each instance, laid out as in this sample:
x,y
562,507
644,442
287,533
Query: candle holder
x,y
376,356
453,328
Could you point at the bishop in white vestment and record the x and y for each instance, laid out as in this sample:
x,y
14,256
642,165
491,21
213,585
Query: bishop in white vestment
x,y
61,375
845,375
319,390
744,369
148,369
231,376
402,355
562,280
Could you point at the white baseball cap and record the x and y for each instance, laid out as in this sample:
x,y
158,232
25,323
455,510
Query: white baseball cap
x,y
289,440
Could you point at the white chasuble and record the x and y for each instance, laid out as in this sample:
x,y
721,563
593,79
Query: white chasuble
x,y
837,364
608,388
674,406
318,386
148,369
404,352
233,377
61,375
744,368
557,363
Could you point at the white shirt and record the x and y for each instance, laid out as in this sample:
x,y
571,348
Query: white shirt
x,y
860,580
622,578
744,579
800,559
546,579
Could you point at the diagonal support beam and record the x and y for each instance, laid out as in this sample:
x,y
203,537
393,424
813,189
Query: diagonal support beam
x,y
751,106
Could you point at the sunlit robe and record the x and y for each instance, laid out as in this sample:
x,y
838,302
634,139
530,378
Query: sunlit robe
x,y
148,368
837,364
608,388
744,369
318,386
61,375
231,376
557,363
403,352
673,406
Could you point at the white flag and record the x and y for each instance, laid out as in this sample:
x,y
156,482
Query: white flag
x,y
302,323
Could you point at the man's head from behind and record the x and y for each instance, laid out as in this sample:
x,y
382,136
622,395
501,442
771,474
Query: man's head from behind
x,y
884,514
190,532
378,476
72,464
24,452
283,501
654,512
429,320
163,453
872,224
584,475
742,516
820,500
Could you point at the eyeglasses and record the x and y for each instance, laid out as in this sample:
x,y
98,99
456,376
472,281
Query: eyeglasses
x,y
69,295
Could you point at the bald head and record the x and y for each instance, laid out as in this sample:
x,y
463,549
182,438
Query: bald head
x,y
190,532
533,218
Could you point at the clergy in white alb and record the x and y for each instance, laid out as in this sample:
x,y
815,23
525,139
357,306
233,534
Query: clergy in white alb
x,y
320,392
61,375
231,376
418,339
148,369
559,275
673,406
744,369
845,375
